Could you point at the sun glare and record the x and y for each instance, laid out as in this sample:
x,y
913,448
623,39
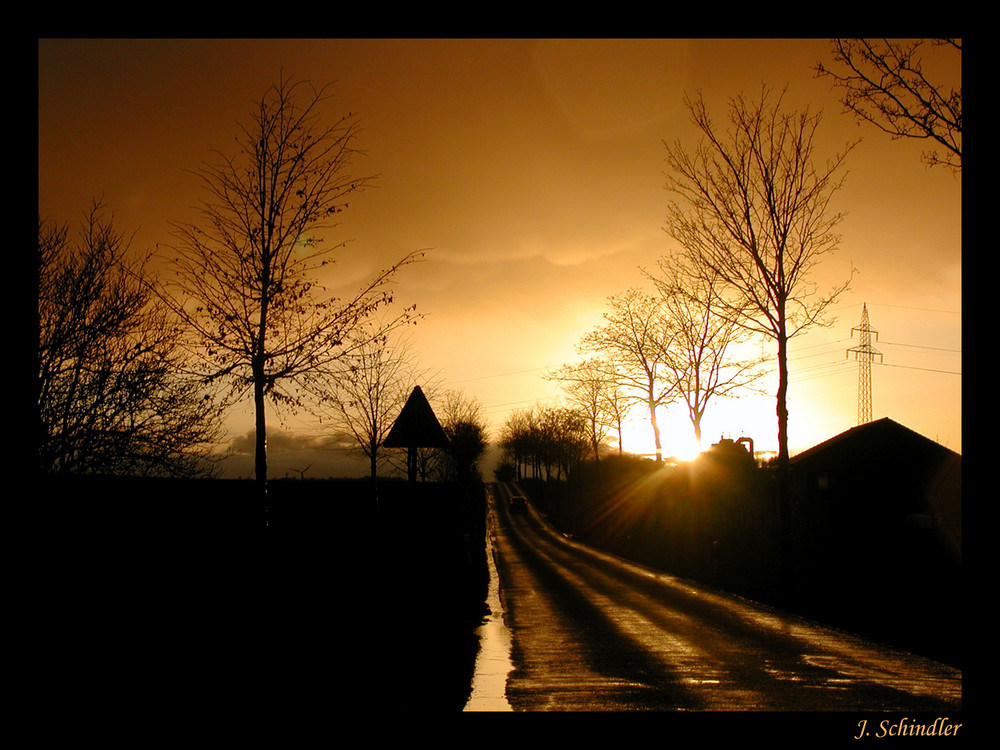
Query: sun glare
x,y
682,447
637,437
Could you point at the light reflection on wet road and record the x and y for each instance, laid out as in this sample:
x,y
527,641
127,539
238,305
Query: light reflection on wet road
x,y
493,663
590,632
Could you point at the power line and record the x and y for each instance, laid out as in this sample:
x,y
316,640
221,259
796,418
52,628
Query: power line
x,y
925,369
500,375
515,403
908,307
918,346
815,372
924,309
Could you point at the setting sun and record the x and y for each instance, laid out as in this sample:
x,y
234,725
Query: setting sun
x,y
751,417
637,437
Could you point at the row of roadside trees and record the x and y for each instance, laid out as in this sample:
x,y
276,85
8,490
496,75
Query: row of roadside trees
x,y
543,443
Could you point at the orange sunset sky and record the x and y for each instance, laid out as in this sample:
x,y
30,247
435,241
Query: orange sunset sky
x,y
532,173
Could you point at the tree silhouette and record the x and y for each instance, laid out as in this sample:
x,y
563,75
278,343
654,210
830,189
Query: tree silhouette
x,y
246,281
113,393
594,389
545,439
518,440
752,217
635,338
372,382
752,212
883,83
702,362
466,428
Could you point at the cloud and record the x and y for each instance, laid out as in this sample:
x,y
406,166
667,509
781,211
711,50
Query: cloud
x,y
280,441
296,455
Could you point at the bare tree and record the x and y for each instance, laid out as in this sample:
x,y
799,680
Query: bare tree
x,y
701,360
752,214
592,387
635,338
246,281
457,406
617,403
368,391
113,395
884,83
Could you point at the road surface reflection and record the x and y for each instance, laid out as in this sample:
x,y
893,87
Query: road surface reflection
x,y
493,664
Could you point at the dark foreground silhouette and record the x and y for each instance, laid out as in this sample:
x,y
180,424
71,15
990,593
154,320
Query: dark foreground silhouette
x,y
173,599
170,598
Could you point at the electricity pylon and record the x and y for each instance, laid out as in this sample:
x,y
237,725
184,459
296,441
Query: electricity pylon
x,y
864,353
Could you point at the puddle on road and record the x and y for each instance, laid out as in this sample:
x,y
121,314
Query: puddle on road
x,y
489,682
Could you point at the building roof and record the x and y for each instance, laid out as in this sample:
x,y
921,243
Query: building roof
x,y
880,440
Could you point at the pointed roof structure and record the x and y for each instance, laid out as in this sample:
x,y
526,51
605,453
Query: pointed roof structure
x,y
416,426
873,443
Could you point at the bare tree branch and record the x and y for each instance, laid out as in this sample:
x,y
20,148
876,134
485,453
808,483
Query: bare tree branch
x,y
636,338
884,83
112,394
701,360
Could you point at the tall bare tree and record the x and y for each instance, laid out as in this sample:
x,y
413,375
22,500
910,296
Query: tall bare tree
x,y
113,393
246,278
884,83
635,337
752,213
701,359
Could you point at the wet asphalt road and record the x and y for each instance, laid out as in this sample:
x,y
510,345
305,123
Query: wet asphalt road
x,y
590,632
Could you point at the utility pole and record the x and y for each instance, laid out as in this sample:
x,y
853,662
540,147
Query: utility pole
x,y
864,353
